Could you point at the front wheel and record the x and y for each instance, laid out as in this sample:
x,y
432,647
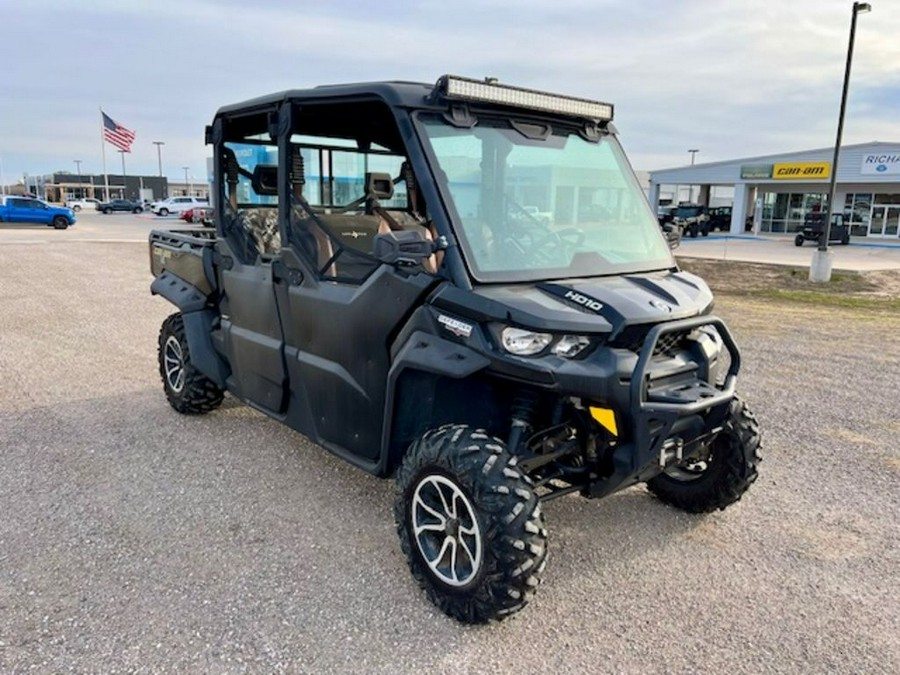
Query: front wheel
x,y
723,471
137,209
845,240
187,389
798,240
60,223
470,524
76,208
107,211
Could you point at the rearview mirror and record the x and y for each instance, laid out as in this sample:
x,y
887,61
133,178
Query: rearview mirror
x,y
402,248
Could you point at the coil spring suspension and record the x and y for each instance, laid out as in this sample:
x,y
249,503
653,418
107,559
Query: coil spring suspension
x,y
521,419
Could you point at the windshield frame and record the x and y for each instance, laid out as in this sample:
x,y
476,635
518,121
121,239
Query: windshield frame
x,y
419,119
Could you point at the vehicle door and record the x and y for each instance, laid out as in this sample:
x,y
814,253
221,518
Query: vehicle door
x,y
341,308
27,211
250,323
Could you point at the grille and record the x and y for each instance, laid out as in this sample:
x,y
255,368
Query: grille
x,y
633,338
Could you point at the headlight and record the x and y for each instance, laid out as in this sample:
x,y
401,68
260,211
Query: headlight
x,y
570,346
524,342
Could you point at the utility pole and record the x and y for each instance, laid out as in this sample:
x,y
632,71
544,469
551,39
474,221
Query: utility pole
x,y
78,168
691,187
159,145
122,152
186,179
820,267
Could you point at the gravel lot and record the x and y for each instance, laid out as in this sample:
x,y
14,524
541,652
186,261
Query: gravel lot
x,y
135,539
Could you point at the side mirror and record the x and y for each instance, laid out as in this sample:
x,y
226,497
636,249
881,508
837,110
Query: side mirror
x,y
407,248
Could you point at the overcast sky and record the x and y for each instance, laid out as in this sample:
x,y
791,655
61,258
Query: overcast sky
x,y
734,78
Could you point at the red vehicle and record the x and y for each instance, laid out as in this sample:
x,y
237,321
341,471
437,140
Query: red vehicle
x,y
187,215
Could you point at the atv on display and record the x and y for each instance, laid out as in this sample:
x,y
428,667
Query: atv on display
x,y
376,281
814,229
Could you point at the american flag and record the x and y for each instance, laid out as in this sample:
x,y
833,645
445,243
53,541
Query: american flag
x,y
116,134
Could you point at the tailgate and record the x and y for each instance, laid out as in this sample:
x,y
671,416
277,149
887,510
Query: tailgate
x,y
187,254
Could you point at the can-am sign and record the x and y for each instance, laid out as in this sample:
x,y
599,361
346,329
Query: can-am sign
x,y
881,164
801,170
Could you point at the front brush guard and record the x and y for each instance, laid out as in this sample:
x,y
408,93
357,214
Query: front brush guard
x,y
662,415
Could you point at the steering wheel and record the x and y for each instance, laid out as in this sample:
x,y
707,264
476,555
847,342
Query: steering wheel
x,y
570,237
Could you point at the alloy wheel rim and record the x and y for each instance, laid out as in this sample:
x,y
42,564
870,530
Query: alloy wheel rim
x,y
446,530
173,363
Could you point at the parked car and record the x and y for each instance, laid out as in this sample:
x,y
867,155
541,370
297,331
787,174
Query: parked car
x,y
88,204
187,215
176,205
26,210
203,215
126,205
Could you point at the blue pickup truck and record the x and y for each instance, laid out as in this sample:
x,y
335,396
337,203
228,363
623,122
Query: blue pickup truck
x,y
26,210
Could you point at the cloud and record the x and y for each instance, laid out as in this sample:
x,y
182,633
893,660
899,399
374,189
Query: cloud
x,y
734,79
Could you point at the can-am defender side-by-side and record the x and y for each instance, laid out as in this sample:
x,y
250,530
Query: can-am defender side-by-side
x,y
378,281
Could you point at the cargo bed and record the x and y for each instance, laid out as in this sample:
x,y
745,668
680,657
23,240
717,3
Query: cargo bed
x,y
186,254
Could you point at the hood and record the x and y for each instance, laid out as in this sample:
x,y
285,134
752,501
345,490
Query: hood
x,y
598,304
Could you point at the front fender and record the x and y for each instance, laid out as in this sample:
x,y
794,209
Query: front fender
x,y
430,354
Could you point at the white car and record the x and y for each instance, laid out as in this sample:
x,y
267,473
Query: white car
x,y
88,204
177,205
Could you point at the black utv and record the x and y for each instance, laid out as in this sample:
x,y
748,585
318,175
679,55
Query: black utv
x,y
375,281
814,229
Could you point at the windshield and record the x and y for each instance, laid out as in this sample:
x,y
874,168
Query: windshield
x,y
533,202
687,211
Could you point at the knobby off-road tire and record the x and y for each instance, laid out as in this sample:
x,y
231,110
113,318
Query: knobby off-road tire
x,y
187,389
470,524
701,487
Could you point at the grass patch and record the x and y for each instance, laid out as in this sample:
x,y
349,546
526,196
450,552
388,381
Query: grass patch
x,y
826,299
879,291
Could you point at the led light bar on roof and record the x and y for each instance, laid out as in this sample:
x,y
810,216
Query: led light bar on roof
x,y
465,89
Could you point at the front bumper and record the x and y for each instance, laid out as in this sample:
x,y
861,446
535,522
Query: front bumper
x,y
669,415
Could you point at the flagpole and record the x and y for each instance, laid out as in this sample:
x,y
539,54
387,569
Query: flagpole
x,y
103,153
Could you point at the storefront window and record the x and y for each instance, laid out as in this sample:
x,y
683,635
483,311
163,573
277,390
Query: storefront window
x,y
785,212
858,209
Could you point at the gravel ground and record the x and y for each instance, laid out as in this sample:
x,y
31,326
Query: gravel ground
x,y
134,539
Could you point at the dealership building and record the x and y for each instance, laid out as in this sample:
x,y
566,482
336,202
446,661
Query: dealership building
x,y
773,193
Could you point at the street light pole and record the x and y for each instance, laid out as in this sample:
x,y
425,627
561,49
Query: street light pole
x,y
159,145
820,268
122,152
691,187
185,179
78,168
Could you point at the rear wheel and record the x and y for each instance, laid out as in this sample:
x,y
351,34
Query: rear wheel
x,y
60,222
470,524
188,390
721,474
164,212
107,211
76,208
798,240
845,240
